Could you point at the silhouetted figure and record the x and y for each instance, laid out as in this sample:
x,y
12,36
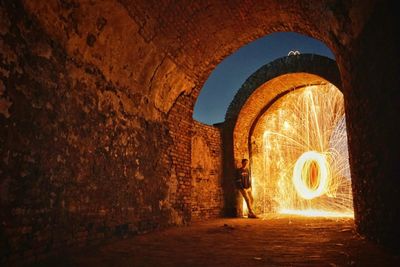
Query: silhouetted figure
x,y
243,183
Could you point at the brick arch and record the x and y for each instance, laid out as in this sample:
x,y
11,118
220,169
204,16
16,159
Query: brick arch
x,y
177,45
308,63
212,30
268,83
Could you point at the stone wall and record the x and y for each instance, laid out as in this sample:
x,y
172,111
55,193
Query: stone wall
x,y
180,128
207,195
372,115
85,154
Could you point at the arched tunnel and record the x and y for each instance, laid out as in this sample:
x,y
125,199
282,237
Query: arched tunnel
x,y
97,139
256,127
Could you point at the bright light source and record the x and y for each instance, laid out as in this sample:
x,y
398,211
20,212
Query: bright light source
x,y
310,175
300,154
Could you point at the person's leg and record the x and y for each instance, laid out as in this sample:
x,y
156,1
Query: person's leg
x,y
246,195
250,194
246,198
251,201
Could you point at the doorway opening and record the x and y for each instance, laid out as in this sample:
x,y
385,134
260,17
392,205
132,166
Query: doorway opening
x,y
299,155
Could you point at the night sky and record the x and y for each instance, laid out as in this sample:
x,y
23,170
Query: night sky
x,y
231,73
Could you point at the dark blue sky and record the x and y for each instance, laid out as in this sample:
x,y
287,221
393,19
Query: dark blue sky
x,y
231,73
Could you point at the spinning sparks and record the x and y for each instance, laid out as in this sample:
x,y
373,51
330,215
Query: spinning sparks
x,y
310,175
300,157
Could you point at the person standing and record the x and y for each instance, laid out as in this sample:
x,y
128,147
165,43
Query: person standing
x,y
243,183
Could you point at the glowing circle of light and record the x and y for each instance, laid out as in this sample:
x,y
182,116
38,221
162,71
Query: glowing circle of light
x,y
302,189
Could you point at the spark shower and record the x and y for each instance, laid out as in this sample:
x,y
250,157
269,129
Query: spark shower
x,y
299,155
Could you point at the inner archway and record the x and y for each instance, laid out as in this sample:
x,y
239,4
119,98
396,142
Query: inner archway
x,y
308,80
299,155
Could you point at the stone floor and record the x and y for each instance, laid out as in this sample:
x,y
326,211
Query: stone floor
x,y
276,241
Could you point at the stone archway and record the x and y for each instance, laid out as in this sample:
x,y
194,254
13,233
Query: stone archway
x,y
260,90
268,82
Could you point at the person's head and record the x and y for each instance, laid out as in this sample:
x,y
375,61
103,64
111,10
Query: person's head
x,y
245,162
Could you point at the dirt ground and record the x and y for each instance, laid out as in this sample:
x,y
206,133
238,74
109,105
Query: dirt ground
x,y
275,241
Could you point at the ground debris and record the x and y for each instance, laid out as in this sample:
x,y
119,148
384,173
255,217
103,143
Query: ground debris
x,y
228,227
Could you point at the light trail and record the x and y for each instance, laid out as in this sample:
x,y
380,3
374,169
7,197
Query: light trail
x,y
317,213
299,158
310,175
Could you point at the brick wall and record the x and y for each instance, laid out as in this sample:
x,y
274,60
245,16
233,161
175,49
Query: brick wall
x,y
180,128
206,170
85,157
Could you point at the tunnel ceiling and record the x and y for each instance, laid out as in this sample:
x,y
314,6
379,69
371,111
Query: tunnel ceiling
x,y
161,49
